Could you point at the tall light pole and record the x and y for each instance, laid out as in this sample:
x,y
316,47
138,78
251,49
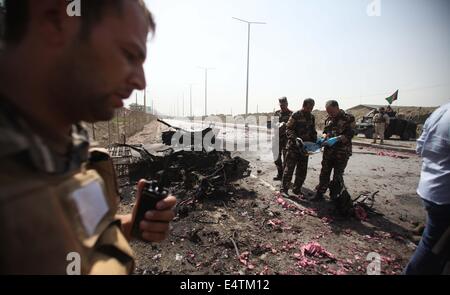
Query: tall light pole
x,y
145,101
183,105
190,99
248,56
206,88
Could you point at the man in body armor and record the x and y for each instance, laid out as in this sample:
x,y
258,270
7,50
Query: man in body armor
x,y
300,128
337,140
283,115
58,197
381,121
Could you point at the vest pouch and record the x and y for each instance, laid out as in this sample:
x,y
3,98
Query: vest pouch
x,y
105,249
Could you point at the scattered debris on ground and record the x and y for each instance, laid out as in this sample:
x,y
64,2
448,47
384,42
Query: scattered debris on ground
x,y
229,223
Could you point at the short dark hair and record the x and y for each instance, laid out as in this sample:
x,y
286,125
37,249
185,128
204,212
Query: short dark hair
x,y
17,17
309,102
332,103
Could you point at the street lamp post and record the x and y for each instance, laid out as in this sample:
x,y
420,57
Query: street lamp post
x,y
206,88
190,99
248,56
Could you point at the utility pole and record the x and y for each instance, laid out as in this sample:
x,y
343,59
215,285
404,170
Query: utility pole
x,y
145,101
206,88
190,99
248,56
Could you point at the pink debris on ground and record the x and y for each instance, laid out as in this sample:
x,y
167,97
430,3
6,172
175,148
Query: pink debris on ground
x,y
265,271
314,249
244,259
305,262
275,222
327,220
339,272
360,213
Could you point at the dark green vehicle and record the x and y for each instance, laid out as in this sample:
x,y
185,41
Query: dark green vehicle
x,y
405,129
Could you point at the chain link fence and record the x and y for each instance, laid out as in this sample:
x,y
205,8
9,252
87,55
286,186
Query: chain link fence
x,y
125,124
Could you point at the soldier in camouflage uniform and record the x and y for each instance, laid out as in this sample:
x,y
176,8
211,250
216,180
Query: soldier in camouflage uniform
x,y
283,114
337,140
301,125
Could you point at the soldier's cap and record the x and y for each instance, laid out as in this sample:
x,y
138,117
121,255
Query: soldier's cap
x,y
283,100
381,109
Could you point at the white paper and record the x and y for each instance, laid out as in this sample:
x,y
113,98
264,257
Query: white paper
x,y
92,205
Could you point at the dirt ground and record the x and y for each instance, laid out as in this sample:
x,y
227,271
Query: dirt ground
x,y
255,231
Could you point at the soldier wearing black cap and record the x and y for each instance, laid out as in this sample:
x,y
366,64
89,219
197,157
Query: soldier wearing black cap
x,y
283,114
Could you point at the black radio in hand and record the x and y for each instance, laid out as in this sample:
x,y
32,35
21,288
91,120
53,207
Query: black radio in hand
x,y
151,194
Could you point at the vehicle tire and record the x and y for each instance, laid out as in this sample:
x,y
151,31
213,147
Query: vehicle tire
x,y
369,133
405,136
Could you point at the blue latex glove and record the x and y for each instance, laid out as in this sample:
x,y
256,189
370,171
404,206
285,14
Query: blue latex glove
x,y
332,141
320,141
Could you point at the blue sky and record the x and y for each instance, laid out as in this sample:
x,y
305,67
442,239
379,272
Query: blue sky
x,y
309,48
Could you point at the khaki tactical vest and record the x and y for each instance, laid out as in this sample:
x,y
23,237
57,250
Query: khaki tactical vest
x,y
61,224
379,118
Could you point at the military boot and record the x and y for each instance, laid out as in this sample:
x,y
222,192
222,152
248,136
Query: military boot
x,y
284,193
279,175
297,191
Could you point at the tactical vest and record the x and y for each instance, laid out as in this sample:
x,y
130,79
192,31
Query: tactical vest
x,y
379,119
47,220
303,124
343,124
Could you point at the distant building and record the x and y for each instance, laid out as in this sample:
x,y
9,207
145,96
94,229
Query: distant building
x,y
366,107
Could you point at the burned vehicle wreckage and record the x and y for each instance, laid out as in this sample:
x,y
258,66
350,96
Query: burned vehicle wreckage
x,y
192,174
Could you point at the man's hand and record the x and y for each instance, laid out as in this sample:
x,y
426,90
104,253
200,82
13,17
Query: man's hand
x,y
156,224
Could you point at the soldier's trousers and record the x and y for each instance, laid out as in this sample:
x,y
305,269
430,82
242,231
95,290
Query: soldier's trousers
x,y
294,159
281,159
379,129
332,160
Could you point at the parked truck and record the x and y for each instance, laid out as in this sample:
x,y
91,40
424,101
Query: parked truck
x,y
405,129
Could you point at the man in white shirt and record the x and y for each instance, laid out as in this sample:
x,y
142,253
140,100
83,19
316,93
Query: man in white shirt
x,y
434,189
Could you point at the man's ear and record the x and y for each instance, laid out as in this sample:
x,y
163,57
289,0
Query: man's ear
x,y
51,21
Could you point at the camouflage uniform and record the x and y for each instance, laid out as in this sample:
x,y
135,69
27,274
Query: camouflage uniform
x,y
381,121
301,125
282,139
336,157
